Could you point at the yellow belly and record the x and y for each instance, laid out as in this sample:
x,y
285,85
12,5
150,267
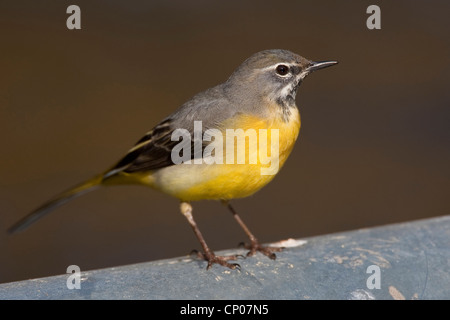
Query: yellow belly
x,y
190,182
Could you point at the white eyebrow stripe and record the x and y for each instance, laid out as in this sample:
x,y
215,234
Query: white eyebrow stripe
x,y
276,65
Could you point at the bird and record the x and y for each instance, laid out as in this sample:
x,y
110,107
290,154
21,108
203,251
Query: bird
x,y
258,97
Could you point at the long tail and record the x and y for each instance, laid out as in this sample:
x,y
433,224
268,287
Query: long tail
x,y
60,199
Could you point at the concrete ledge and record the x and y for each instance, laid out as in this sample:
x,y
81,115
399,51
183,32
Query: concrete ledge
x,y
413,259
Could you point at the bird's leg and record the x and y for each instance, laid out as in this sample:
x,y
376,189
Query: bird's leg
x,y
254,243
207,254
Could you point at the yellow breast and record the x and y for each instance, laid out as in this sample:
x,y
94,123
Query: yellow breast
x,y
190,182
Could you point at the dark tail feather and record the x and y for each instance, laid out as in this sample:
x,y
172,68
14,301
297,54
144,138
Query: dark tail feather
x,y
64,197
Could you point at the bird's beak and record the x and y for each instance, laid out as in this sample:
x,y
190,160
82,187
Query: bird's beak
x,y
320,65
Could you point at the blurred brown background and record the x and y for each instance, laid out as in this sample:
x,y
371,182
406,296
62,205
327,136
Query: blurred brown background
x,y
373,149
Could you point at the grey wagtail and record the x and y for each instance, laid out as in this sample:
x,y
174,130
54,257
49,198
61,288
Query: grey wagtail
x,y
258,96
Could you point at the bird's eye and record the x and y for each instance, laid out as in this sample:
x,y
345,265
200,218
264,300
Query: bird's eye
x,y
282,70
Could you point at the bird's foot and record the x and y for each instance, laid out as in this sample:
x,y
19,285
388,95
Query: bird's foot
x,y
255,246
222,260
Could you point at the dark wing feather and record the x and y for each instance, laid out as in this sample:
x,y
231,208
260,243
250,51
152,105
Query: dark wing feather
x,y
153,151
